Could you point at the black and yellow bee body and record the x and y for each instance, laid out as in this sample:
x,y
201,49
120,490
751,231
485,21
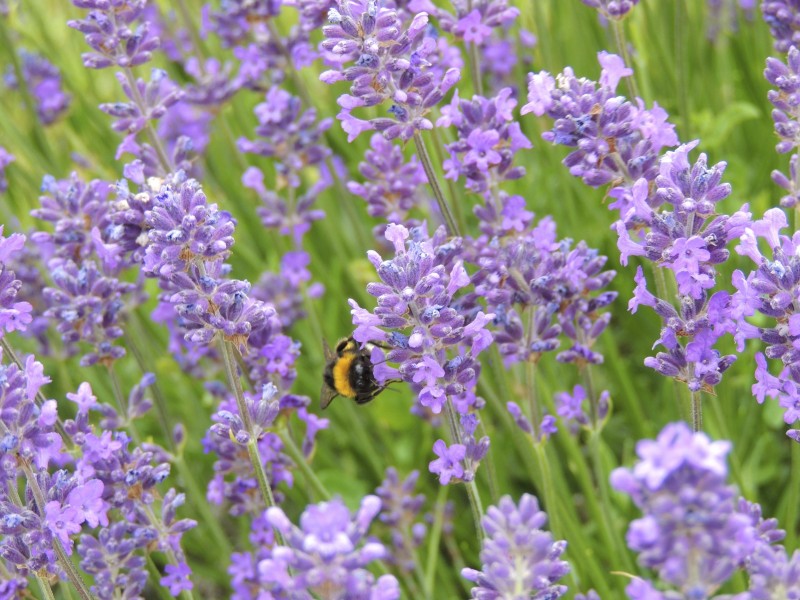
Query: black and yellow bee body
x,y
348,373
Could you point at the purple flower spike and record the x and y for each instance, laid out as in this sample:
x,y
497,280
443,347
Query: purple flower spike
x,y
415,296
288,135
782,16
488,139
400,511
519,558
110,29
14,315
393,60
392,185
185,231
612,9
44,82
692,533
327,554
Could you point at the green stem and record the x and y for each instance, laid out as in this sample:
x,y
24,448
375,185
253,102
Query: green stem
x,y
430,173
155,140
472,489
300,461
793,501
155,574
682,65
435,539
122,403
608,524
697,412
475,68
45,588
622,48
158,396
171,556
235,383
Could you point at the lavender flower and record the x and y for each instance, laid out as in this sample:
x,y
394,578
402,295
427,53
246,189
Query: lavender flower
x,y
325,554
769,290
692,533
79,213
86,305
43,79
391,63
612,9
290,137
416,294
14,315
113,557
149,102
234,481
519,558
473,21
6,158
112,33
291,218
401,513
619,144
392,185
783,19
488,139
785,116
613,138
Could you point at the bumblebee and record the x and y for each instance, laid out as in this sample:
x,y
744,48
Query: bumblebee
x,y
348,373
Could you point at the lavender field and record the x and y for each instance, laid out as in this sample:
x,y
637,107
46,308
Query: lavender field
x,y
380,299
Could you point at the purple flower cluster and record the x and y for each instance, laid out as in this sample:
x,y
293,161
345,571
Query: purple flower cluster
x,y
615,141
691,533
188,243
519,559
783,18
573,411
111,31
87,297
612,9
770,290
291,138
786,116
434,342
393,61
400,512
667,209
43,80
149,101
488,139
326,555
392,184
472,22
234,481
538,289
15,315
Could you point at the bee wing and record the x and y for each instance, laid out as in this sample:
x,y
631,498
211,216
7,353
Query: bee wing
x,y
327,393
326,350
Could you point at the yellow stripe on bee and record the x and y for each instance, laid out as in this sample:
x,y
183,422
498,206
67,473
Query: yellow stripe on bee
x,y
341,375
